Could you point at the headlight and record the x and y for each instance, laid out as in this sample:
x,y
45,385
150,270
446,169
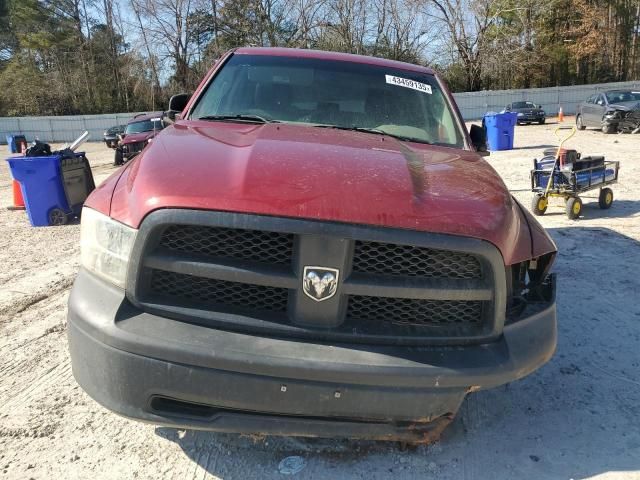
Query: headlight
x,y
105,246
521,114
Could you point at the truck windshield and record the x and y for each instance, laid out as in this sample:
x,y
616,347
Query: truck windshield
x,y
143,126
409,105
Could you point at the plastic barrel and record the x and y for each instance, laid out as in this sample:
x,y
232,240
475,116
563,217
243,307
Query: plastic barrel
x,y
500,129
42,186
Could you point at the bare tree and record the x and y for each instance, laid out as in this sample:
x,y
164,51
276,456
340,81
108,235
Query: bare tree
x,y
351,25
404,32
167,23
308,16
466,23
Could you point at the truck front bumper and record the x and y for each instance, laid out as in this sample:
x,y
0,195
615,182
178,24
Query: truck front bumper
x,y
173,373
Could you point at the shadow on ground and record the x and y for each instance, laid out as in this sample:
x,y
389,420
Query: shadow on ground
x,y
536,147
576,417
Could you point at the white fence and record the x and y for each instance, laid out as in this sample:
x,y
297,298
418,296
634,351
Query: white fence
x,y
473,105
61,129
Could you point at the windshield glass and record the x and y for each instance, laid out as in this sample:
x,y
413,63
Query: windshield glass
x,y
326,92
144,126
522,105
619,97
116,129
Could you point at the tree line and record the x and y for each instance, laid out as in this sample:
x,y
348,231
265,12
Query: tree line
x,y
62,57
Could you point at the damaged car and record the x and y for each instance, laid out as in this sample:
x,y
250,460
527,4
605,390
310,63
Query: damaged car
x,y
629,120
607,110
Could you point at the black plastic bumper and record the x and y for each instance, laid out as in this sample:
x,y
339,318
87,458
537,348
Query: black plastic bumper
x,y
531,118
611,121
174,373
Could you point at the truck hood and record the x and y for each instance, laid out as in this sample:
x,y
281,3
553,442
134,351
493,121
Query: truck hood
x,y
139,137
321,174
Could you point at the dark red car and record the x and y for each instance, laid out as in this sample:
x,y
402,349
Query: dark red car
x,y
139,130
315,247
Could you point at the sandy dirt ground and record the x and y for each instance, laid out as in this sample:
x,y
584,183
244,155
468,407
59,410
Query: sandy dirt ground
x,y
578,417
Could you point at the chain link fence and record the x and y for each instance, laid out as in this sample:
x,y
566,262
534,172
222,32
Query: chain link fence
x,y
473,105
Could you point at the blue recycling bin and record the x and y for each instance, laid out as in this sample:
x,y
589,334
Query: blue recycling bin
x,y
500,129
53,188
14,141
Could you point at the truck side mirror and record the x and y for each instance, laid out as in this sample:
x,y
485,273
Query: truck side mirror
x,y
479,140
177,104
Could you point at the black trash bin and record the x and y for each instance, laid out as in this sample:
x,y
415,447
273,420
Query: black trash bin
x,y
77,179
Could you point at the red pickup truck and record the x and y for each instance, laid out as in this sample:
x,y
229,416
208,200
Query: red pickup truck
x,y
139,131
315,247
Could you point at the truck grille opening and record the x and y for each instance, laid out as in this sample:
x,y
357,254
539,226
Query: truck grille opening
x,y
134,147
260,246
408,260
189,288
246,273
414,312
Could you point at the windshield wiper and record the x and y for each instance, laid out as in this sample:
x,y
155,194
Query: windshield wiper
x,y
239,118
375,131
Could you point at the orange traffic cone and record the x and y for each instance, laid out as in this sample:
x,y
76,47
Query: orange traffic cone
x,y
560,115
18,200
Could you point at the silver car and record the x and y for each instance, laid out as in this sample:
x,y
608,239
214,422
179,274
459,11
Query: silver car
x,y
605,109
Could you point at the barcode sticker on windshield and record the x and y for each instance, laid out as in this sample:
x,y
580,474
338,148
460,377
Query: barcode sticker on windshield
x,y
405,82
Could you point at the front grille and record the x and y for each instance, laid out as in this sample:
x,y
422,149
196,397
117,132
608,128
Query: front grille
x,y
407,260
228,295
245,272
414,312
265,247
133,147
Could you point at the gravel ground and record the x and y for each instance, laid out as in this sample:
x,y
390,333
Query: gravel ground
x,y
577,417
